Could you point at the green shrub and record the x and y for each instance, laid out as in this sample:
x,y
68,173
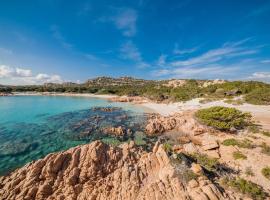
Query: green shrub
x,y
205,161
167,147
254,128
246,187
239,155
223,118
266,172
266,133
260,96
240,143
265,149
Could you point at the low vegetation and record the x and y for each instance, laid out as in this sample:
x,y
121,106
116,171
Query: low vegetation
x,y
246,187
266,133
260,96
223,118
205,161
239,143
266,172
167,147
238,155
265,149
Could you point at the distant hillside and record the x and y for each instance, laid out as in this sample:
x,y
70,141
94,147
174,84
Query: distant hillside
x,y
109,81
160,90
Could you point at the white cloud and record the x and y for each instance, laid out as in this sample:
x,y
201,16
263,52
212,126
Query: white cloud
x,y
90,56
125,21
178,51
23,72
260,76
214,71
130,51
228,50
265,61
6,71
25,76
162,60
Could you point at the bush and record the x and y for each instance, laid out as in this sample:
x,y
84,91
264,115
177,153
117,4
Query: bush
x,y
266,133
205,161
239,155
167,147
260,96
246,187
266,172
265,149
223,118
240,143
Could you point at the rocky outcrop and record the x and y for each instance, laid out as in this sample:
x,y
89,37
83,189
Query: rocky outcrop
x,y
116,131
183,122
99,171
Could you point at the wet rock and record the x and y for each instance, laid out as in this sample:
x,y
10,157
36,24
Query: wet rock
x,y
106,109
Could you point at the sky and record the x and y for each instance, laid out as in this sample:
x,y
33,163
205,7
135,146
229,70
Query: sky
x,y
60,41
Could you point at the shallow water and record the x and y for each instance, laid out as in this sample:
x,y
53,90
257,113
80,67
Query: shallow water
x,y
33,126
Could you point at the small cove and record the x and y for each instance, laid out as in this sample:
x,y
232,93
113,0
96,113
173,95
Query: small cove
x,y
31,127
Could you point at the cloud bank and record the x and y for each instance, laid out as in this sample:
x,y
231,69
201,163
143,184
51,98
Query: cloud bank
x,y
17,75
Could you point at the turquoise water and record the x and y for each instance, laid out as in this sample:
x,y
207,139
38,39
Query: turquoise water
x,y
33,126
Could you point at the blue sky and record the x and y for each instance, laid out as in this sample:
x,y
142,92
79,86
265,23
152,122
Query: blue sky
x,y
56,40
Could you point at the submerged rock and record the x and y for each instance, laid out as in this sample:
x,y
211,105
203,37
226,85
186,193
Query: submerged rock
x,y
106,109
15,148
99,171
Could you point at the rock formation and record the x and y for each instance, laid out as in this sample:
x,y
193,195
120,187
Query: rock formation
x,y
182,122
99,171
116,131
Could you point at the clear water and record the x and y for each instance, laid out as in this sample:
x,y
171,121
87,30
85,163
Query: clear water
x,y
33,126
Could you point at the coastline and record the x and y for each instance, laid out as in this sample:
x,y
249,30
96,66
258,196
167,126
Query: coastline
x,y
261,113
103,96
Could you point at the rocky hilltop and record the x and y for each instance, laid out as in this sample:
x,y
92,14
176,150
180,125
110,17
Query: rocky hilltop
x,y
99,171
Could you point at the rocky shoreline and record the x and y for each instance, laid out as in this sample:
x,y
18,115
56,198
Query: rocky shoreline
x,y
190,161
